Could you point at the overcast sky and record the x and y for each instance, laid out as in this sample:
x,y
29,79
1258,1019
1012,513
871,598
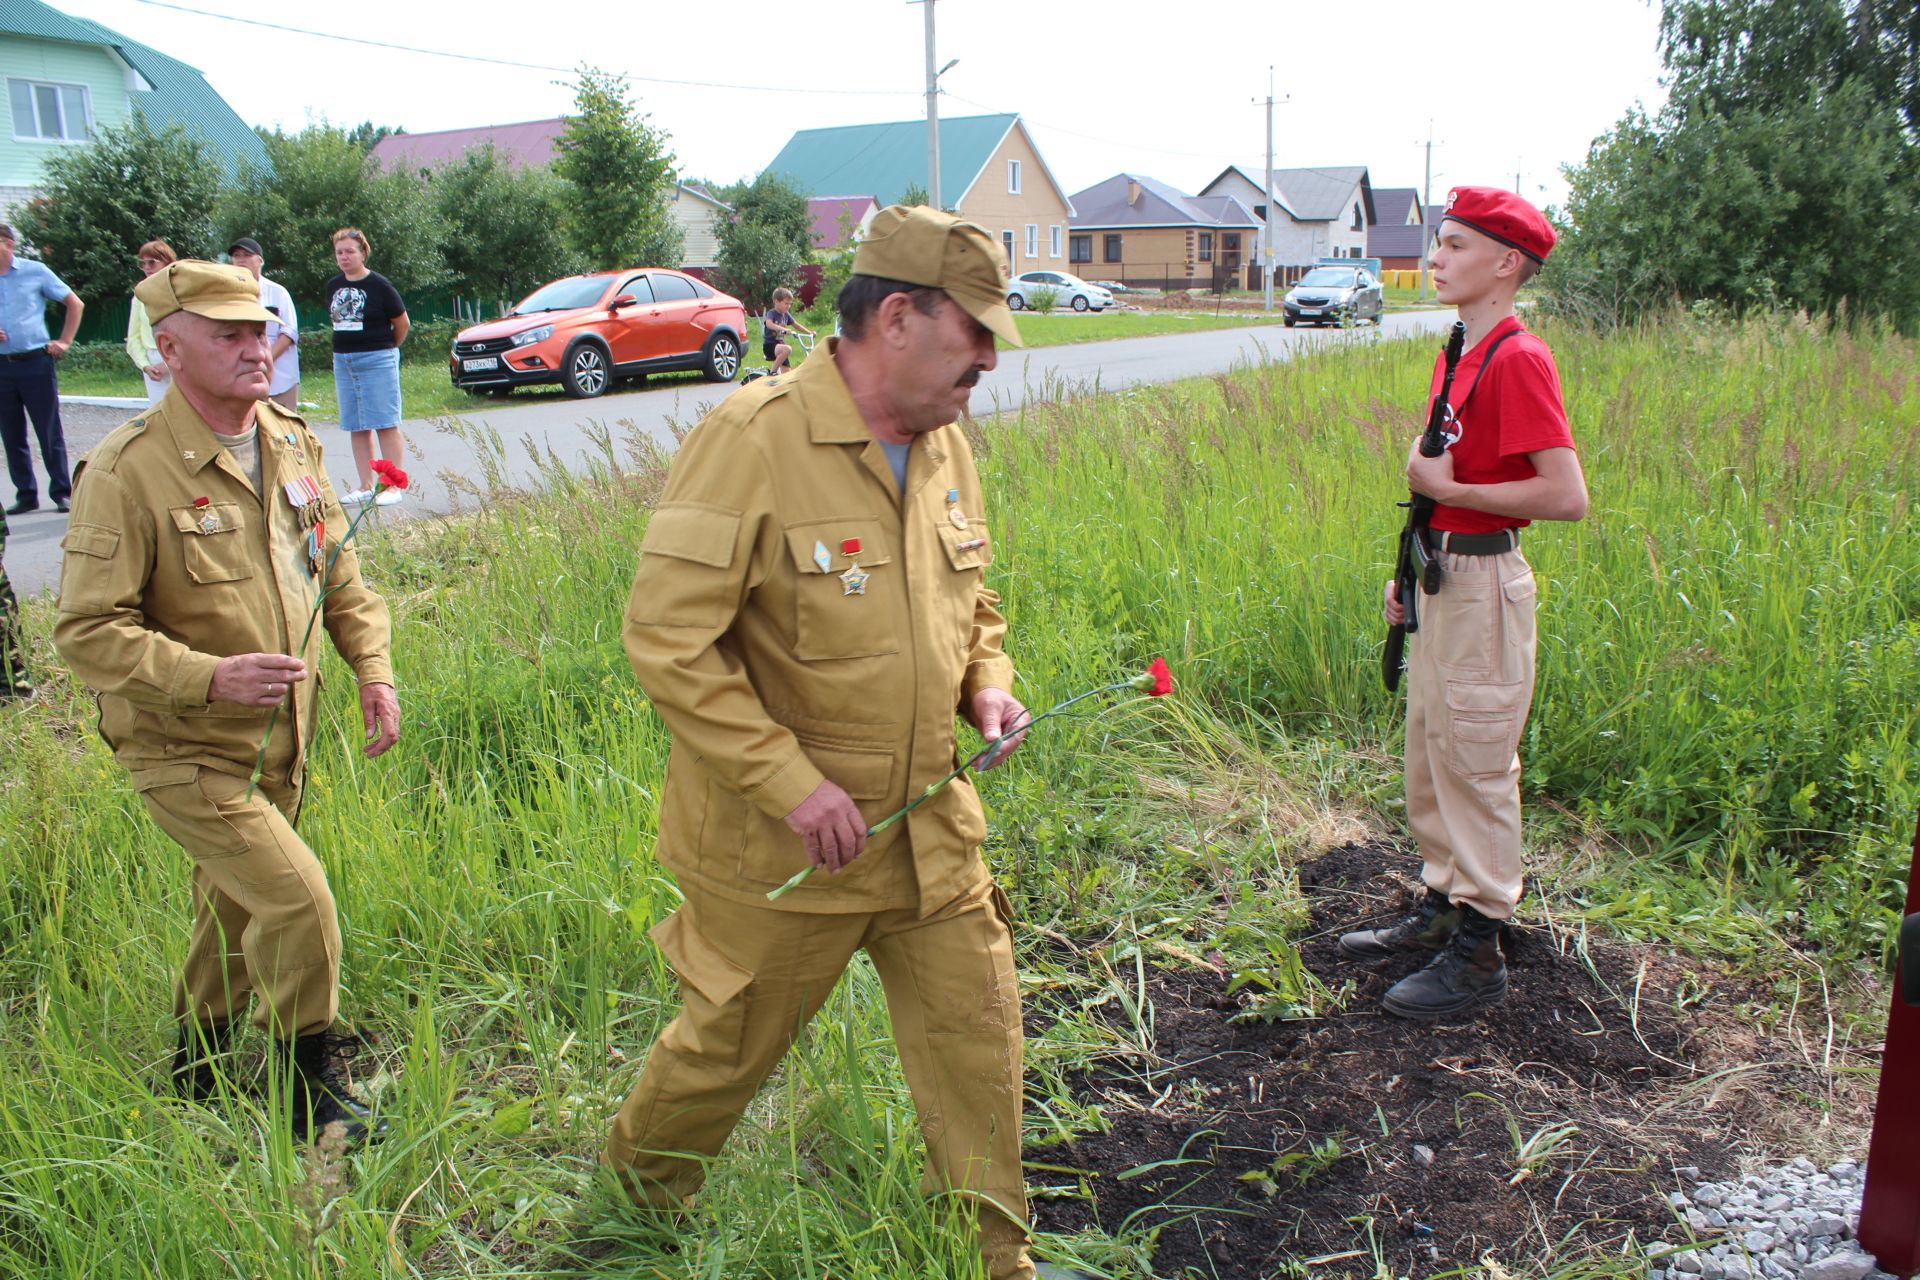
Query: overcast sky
x,y
1104,85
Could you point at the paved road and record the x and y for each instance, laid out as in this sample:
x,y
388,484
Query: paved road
x,y
562,430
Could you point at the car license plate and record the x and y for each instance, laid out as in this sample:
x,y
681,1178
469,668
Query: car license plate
x,y
1305,311
480,365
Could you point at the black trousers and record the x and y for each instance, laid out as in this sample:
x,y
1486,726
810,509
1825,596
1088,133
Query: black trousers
x,y
30,389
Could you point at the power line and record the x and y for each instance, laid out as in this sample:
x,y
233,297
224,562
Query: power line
x,y
525,66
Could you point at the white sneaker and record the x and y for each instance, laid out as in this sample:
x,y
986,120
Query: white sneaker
x,y
356,497
388,497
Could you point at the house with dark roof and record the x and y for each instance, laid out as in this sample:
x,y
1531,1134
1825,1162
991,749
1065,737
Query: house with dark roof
x,y
990,173
1396,239
838,219
1318,213
69,78
1147,234
532,144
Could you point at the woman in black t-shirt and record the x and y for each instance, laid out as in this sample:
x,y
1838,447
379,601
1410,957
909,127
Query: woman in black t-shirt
x,y
369,320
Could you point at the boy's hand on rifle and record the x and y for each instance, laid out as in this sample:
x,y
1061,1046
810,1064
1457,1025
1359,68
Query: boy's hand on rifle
x,y
1431,476
1392,611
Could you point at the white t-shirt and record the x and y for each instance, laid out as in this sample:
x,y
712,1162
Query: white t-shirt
x,y
286,367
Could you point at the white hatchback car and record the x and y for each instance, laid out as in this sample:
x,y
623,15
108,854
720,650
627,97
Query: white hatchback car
x,y
1068,291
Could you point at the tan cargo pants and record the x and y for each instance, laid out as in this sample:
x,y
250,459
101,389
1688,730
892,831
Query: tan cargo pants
x,y
1469,687
751,977
263,917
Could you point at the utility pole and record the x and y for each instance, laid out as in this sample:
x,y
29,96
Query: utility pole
x,y
933,116
1426,202
1266,235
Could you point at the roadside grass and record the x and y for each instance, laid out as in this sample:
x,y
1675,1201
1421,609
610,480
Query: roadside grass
x,y
1725,736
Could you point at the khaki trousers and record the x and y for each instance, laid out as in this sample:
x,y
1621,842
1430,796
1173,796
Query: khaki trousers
x,y
751,977
1469,687
263,916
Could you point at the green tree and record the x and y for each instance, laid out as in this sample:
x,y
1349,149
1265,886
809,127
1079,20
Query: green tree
x,y
756,259
323,180
104,200
770,200
1785,154
620,169
504,227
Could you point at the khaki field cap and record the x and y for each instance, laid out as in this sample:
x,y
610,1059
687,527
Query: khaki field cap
x,y
204,288
927,247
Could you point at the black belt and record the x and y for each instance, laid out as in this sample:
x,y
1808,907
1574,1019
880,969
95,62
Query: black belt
x,y
1474,544
13,356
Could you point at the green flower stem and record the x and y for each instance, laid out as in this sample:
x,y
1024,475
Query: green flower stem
x,y
985,753
313,616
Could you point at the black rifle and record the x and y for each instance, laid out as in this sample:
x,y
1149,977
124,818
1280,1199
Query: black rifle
x,y
1416,571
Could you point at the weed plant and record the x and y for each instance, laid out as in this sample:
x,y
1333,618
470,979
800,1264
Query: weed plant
x,y
1730,648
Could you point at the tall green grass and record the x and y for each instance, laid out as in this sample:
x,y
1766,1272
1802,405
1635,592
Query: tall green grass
x,y
1727,677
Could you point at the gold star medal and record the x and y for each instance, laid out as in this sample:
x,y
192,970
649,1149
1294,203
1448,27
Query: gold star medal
x,y
854,581
211,524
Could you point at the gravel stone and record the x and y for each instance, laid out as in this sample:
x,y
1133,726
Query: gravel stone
x,y
1851,1265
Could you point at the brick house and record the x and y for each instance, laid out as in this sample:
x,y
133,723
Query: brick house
x,y
1146,234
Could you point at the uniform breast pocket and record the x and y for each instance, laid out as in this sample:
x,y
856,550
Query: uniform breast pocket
x,y
845,581
212,541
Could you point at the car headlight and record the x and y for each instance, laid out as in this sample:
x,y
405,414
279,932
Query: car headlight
x,y
527,337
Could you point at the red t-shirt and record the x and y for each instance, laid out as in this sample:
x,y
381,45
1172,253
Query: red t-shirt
x,y
1515,410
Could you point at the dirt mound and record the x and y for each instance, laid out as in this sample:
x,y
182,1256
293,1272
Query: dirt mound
x,y
1546,1126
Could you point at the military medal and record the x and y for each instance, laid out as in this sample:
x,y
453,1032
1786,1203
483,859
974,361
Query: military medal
x,y
854,581
953,496
958,517
850,546
211,524
822,557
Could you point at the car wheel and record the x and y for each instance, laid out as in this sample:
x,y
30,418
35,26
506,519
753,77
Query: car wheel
x,y
584,374
1080,302
1290,321
1015,302
721,360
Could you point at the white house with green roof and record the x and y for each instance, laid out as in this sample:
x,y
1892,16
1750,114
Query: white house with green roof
x,y
990,173
67,78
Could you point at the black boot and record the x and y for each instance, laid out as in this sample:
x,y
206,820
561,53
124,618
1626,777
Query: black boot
x,y
195,1076
1424,929
1468,971
320,1096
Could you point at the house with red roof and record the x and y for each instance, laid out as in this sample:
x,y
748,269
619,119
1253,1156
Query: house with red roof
x,y
838,219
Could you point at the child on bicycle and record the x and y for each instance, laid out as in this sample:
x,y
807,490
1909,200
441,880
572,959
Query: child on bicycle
x,y
775,325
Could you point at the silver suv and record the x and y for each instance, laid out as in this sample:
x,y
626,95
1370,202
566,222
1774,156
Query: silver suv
x,y
1336,295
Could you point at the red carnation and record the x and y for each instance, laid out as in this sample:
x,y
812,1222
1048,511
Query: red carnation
x,y
391,477
1162,678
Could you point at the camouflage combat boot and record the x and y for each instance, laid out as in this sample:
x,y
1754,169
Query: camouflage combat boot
x,y
1468,971
1423,930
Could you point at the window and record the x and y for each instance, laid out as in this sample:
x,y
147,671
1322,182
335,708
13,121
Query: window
x,y
1053,242
1260,212
1111,248
54,112
1358,224
642,291
1230,242
1033,239
1079,248
1206,246
1013,177
1006,240
671,288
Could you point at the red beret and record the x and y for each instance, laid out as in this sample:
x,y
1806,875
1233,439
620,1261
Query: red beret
x,y
1505,217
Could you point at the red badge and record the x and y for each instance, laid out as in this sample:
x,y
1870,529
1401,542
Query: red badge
x,y
850,546
201,502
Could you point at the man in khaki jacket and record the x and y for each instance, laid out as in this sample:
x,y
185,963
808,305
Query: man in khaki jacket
x,y
192,562
809,614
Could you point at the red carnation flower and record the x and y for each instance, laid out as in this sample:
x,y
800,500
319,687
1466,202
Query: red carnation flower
x,y
391,477
1162,678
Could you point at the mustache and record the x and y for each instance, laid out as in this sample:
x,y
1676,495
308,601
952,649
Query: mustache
x,y
969,379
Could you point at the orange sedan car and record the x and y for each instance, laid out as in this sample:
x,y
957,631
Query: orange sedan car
x,y
584,332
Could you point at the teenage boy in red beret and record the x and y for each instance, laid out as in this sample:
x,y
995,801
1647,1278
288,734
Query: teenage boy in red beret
x,y
1510,461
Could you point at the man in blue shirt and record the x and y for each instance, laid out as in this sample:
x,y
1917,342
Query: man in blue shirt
x,y
29,387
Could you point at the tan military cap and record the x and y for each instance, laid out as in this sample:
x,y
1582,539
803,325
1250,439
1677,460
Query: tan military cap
x,y
927,247
204,288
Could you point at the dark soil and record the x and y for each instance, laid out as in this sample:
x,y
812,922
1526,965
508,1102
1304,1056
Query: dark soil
x,y
1587,1035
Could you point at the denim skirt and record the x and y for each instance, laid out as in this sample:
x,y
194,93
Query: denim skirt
x,y
367,384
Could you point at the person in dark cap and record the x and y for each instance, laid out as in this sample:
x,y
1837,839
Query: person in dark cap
x,y
200,534
809,614
1510,460
29,384
283,335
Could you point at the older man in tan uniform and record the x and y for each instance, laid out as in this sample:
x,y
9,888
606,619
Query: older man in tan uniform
x,y
809,614
192,562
